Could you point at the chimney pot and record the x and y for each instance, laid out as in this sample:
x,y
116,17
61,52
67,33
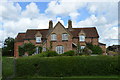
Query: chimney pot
x,y
50,24
69,25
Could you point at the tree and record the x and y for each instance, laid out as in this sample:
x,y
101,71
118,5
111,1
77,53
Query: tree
x,y
95,48
28,48
79,50
8,49
87,51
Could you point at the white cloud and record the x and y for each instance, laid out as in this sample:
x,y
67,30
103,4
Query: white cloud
x,y
10,11
31,11
74,15
107,9
92,8
64,8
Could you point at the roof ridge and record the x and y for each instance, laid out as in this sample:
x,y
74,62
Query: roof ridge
x,y
22,33
37,29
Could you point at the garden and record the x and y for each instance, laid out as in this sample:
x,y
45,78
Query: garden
x,y
62,68
71,65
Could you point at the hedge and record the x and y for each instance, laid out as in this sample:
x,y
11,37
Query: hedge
x,y
69,53
67,66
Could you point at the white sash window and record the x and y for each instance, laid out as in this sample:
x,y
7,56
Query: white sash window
x,y
81,38
64,36
53,37
38,39
60,49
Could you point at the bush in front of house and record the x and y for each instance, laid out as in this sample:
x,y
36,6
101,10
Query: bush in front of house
x,y
26,47
87,51
67,66
112,53
47,54
69,53
95,48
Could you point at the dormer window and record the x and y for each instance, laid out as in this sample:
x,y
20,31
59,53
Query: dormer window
x,y
38,39
81,38
53,37
64,36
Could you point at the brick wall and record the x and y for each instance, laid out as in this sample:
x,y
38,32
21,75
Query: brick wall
x,y
16,45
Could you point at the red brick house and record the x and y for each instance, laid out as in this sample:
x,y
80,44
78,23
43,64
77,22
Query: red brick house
x,y
62,39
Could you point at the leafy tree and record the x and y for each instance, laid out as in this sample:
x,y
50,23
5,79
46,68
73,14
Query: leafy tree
x,y
39,48
95,48
21,50
8,49
87,51
27,47
78,49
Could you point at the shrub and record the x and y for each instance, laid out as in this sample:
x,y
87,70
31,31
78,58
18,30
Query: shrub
x,y
69,53
67,66
21,50
95,48
27,47
52,53
112,53
87,51
47,54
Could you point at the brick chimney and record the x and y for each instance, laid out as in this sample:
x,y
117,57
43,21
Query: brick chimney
x,y
69,25
50,25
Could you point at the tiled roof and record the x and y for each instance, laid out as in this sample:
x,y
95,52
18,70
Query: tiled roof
x,y
30,33
90,32
20,37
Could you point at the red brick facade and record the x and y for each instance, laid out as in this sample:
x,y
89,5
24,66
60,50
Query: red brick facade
x,y
91,36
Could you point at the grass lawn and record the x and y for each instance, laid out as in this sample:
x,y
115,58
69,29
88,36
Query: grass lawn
x,y
8,66
71,78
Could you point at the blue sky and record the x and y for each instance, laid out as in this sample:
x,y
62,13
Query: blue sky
x,y
19,16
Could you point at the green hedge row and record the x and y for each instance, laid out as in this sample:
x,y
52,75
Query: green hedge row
x,y
67,66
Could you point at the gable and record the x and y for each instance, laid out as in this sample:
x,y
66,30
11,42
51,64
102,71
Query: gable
x,y
59,29
38,34
82,33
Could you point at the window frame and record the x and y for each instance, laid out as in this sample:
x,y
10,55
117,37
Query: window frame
x,y
60,49
38,40
82,38
64,37
82,47
53,37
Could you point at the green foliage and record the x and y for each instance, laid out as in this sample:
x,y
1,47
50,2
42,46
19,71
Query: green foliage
x,y
27,47
78,51
7,66
40,49
95,49
8,49
69,53
47,54
21,50
87,51
112,53
67,66
50,45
